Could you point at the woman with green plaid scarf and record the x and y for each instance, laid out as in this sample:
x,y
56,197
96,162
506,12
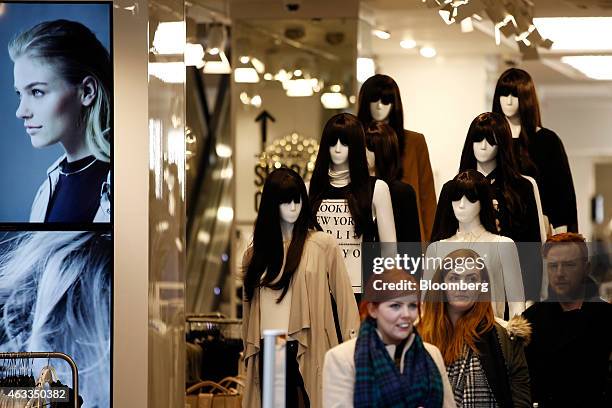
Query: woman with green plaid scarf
x,y
387,365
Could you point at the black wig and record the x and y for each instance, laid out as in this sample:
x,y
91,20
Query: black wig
x,y
475,187
267,252
494,127
383,88
518,83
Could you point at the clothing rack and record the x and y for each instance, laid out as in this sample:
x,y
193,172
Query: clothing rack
x,y
48,355
230,328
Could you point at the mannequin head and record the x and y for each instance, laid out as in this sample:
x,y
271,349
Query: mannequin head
x,y
524,102
382,141
488,138
283,199
468,193
466,210
339,153
289,212
473,307
492,129
343,136
380,110
379,99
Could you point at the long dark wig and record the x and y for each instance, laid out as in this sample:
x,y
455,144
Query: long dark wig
x,y
475,187
494,127
383,87
518,83
267,252
382,140
346,128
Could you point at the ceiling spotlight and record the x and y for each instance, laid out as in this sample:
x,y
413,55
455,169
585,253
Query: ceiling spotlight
x,y
216,64
334,100
382,34
258,65
365,69
428,52
246,73
408,44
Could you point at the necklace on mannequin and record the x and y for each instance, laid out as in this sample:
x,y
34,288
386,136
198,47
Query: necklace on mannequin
x,y
471,236
339,178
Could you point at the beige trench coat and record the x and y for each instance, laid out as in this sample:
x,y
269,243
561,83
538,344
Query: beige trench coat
x,y
311,320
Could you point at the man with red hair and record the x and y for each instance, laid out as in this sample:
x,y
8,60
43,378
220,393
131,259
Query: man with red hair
x,y
571,342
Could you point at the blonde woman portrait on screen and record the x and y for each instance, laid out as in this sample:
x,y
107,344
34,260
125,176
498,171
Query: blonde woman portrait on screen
x,y
62,78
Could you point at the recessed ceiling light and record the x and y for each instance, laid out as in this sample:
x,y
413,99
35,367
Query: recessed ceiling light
x,y
593,66
408,44
382,34
577,33
428,52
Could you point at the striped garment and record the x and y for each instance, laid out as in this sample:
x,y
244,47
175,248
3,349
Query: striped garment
x,y
469,382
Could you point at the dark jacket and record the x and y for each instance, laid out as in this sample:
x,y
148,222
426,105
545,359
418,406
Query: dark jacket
x,y
405,212
501,353
569,354
553,175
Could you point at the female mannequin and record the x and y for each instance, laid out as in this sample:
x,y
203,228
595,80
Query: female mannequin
x,y
466,219
540,151
382,152
379,100
341,173
292,272
488,149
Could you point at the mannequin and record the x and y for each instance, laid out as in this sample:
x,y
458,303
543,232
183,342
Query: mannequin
x,y
379,100
466,220
488,149
539,151
341,179
382,152
292,274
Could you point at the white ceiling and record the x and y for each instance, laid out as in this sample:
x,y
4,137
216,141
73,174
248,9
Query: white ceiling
x,y
412,19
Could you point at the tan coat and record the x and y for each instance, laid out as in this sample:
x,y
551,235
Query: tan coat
x,y
311,320
339,374
417,173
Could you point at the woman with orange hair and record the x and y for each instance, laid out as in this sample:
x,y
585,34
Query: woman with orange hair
x,y
485,362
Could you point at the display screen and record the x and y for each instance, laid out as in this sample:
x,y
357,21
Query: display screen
x,y
56,231
56,112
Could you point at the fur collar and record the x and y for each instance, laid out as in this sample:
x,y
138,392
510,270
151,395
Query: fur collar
x,y
519,327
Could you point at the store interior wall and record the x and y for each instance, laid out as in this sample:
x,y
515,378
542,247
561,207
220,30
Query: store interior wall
x,y
131,215
440,98
583,122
